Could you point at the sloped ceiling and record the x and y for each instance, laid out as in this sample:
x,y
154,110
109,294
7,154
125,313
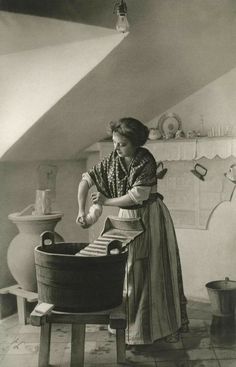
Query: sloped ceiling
x,y
174,48
39,67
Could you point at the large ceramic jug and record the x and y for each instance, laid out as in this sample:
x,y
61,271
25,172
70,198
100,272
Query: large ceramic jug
x,y
20,256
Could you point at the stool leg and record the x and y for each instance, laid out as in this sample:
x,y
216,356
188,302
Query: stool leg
x,y
77,345
120,345
44,347
21,309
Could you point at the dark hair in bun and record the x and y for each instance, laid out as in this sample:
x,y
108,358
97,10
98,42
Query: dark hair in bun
x,y
132,129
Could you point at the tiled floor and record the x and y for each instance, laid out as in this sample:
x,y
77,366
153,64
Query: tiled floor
x,y
209,343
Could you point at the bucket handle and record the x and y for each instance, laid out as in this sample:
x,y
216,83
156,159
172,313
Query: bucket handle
x,y
47,238
114,247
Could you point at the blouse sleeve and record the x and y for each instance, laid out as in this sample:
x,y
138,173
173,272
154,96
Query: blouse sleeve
x,y
100,175
139,193
86,176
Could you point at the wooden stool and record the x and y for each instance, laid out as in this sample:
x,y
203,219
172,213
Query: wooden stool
x,y
43,315
22,296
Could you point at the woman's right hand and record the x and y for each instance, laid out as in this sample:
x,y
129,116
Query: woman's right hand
x,y
81,220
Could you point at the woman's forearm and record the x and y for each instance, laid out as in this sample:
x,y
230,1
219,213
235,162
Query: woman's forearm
x,y
121,201
83,190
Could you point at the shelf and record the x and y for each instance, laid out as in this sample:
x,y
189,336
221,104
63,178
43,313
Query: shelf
x,y
181,149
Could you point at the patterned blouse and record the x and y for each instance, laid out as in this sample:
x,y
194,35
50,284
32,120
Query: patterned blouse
x,y
113,179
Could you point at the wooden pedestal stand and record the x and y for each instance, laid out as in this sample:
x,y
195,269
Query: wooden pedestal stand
x,y
44,316
22,297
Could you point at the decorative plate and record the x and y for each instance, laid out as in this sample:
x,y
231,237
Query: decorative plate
x,y
168,124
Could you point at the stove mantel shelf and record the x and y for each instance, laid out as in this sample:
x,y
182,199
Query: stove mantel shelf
x,y
181,149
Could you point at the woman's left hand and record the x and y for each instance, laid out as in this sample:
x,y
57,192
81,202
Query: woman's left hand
x,y
98,198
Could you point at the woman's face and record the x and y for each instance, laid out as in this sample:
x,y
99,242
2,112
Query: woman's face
x,y
123,146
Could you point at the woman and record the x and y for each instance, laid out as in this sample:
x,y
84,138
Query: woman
x,y
156,305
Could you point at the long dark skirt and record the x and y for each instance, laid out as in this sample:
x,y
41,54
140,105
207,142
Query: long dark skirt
x,y
156,305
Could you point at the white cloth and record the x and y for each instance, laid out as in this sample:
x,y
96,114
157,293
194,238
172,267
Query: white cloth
x,y
95,211
173,150
211,147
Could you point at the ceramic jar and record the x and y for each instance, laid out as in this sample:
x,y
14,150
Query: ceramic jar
x,y
20,256
154,134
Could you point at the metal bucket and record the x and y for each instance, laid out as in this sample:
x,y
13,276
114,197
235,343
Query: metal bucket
x,y
79,284
222,295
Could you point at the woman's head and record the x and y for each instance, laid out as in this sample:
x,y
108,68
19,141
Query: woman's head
x,y
133,130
